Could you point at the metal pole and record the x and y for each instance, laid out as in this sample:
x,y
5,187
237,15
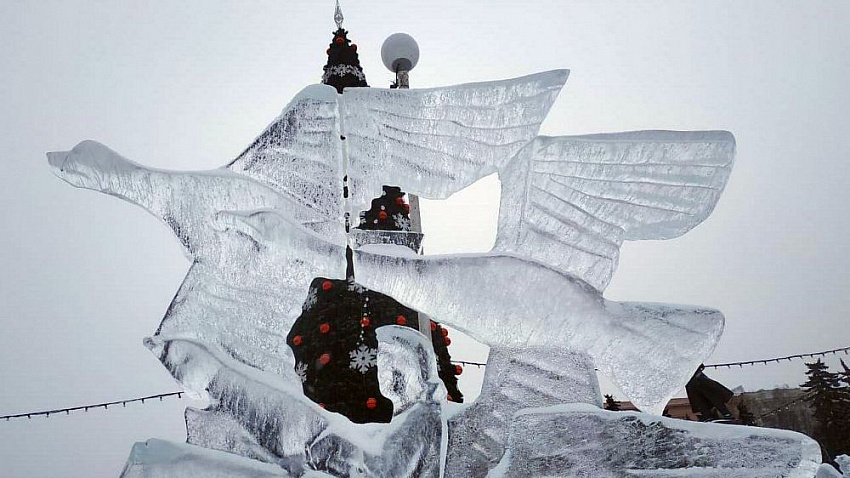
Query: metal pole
x,y
403,82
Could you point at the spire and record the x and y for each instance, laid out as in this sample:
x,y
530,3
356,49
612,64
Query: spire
x,y
343,67
338,18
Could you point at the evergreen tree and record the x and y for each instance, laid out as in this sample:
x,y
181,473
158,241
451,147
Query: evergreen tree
x,y
336,348
611,404
343,68
830,403
388,213
745,416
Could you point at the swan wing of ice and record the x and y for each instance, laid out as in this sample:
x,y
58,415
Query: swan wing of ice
x,y
571,201
299,154
434,142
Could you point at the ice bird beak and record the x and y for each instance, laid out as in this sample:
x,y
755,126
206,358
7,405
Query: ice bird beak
x,y
57,159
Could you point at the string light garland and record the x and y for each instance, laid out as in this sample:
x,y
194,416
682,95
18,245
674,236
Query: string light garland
x,y
846,351
123,403
85,408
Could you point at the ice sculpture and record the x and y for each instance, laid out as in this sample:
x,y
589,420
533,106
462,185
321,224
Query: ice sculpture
x,y
828,471
259,229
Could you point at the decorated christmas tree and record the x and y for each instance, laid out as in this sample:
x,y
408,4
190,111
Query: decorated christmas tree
x,y
343,67
334,339
389,212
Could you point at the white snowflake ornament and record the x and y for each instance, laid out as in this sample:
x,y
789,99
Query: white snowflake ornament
x,y
363,358
301,371
401,222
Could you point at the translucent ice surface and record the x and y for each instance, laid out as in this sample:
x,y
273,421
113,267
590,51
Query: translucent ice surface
x,y
434,142
578,440
258,230
162,459
510,302
570,201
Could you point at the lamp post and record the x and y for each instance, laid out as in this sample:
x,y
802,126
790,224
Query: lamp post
x,y
400,54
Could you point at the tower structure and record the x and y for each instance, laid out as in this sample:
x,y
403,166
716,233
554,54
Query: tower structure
x,y
334,340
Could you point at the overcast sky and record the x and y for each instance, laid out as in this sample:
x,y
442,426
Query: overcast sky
x,y
187,85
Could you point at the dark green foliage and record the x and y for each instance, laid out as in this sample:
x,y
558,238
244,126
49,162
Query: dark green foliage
x,y
745,416
388,212
343,67
332,325
830,402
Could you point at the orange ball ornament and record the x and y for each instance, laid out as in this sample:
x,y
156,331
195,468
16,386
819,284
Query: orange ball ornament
x,y
371,403
401,320
382,215
327,285
325,359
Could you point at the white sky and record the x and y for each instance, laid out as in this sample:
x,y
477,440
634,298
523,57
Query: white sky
x,y
187,85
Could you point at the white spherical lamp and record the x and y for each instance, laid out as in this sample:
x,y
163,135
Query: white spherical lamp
x,y
400,52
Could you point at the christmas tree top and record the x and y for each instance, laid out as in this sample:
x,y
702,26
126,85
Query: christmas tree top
x,y
343,67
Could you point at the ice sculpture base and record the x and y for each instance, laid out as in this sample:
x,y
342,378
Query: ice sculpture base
x,y
158,458
582,440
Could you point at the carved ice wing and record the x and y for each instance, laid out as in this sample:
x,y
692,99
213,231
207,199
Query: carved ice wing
x,y
570,201
434,142
298,155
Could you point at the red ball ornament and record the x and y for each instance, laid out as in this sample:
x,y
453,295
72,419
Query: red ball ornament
x,y
401,320
371,403
327,285
365,322
325,359
325,328
399,200
353,47
407,207
444,332
339,40
433,326
321,405
382,215
458,370
447,340
296,341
